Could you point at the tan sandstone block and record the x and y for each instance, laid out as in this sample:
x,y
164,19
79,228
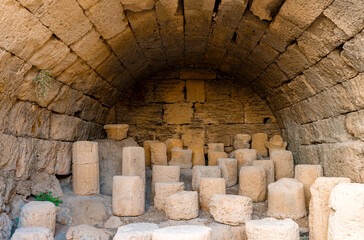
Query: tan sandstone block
x,y
83,231
268,166
265,9
172,143
195,90
183,232
252,183
307,174
165,189
346,222
258,142
231,209
245,157
116,132
158,154
134,162
272,229
213,156
199,172
182,205
136,231
286,199
86,179
137,5
33,233
84,152
178,113
38,214
283,164
215,147
181,157
146,146
242,141
165,174
319,206
229,170
128,196
198,155
208,188
276,143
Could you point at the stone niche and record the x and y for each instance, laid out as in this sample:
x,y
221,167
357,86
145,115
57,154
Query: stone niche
x,y
197,108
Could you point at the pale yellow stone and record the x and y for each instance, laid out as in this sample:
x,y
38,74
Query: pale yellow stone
x,y
283,164
276,143
164,174
195,90
165,189
146,146
136,231
83,231
181,157
116,132
252,183
183,232
172,143
213,156
84,152
272,229
134,162
198,154
32,233
128,196
229,170
242,141
215,147
245,157
258,143
85,178
158,154
265,9
268,166
208,188
182,205
199,172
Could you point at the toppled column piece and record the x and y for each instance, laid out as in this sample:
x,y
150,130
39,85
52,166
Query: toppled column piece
x,y
85,168
252,183
38,214
307,174
158,154
199,172
245,157
283,164
229,170
165,174
128,196
268,166
183,232
116,132
182,205
319,205
134,162
272,229
136,231
165,189
198,155
83,231
208,188
276,143
213,156
146,146
215,147
258,143
173,143
241,141
231,209
33,233
181,157
286,199
347,220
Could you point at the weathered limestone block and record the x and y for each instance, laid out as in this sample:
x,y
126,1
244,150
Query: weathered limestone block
x,y
245,157
136,231
32,233
213,156
268,166
283,164
158,154
354,124
195,90
181,157
173,143
199,172
215,147
229,170
165,174
252,183
178,113
83,231
276,143
113,222
146,146
208,188
116,131
38,214
264,9
134,162
258,143
165,189
128,196
6,224
347,220
242,141
319,206
272,229
182,205
85,168
198,154
137,5
307,174
183,232
231,209
286,199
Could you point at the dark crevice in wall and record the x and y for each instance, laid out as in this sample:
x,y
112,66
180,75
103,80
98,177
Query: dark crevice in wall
x,y
217,4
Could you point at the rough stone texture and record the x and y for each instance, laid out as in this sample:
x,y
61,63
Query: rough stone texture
x,y
137,5
183,232
258,143
208,188
276,143
268,166
264,9
116,131
286,199
134,162
245,157
113,222
136,231
198,154
165,189
32,233
165,174
319,205
346,222
182,205
215,147
242,141
307,174
230,209
214,156
199,172
158,154
172,143
7,225
128,197
181,157
146,146
229,170
270,229
283,164
252,183
86,232
38,214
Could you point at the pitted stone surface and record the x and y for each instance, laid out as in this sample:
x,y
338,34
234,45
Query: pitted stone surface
x,y
182,205
208,188
158,154
183,232
214,156
268,166
134,162
283,164
117,131
271,229
165,174
181,157
253,183
83,231
136,231
229,170
245,157
32,233
258,143
199,172
164,190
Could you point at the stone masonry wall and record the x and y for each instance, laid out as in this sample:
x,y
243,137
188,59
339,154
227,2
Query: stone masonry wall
x,y
197,105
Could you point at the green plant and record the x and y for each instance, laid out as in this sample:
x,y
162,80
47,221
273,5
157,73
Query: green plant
x,y
43,196
42,83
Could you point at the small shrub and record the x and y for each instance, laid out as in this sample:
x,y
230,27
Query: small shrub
x,y
48,197
42,84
